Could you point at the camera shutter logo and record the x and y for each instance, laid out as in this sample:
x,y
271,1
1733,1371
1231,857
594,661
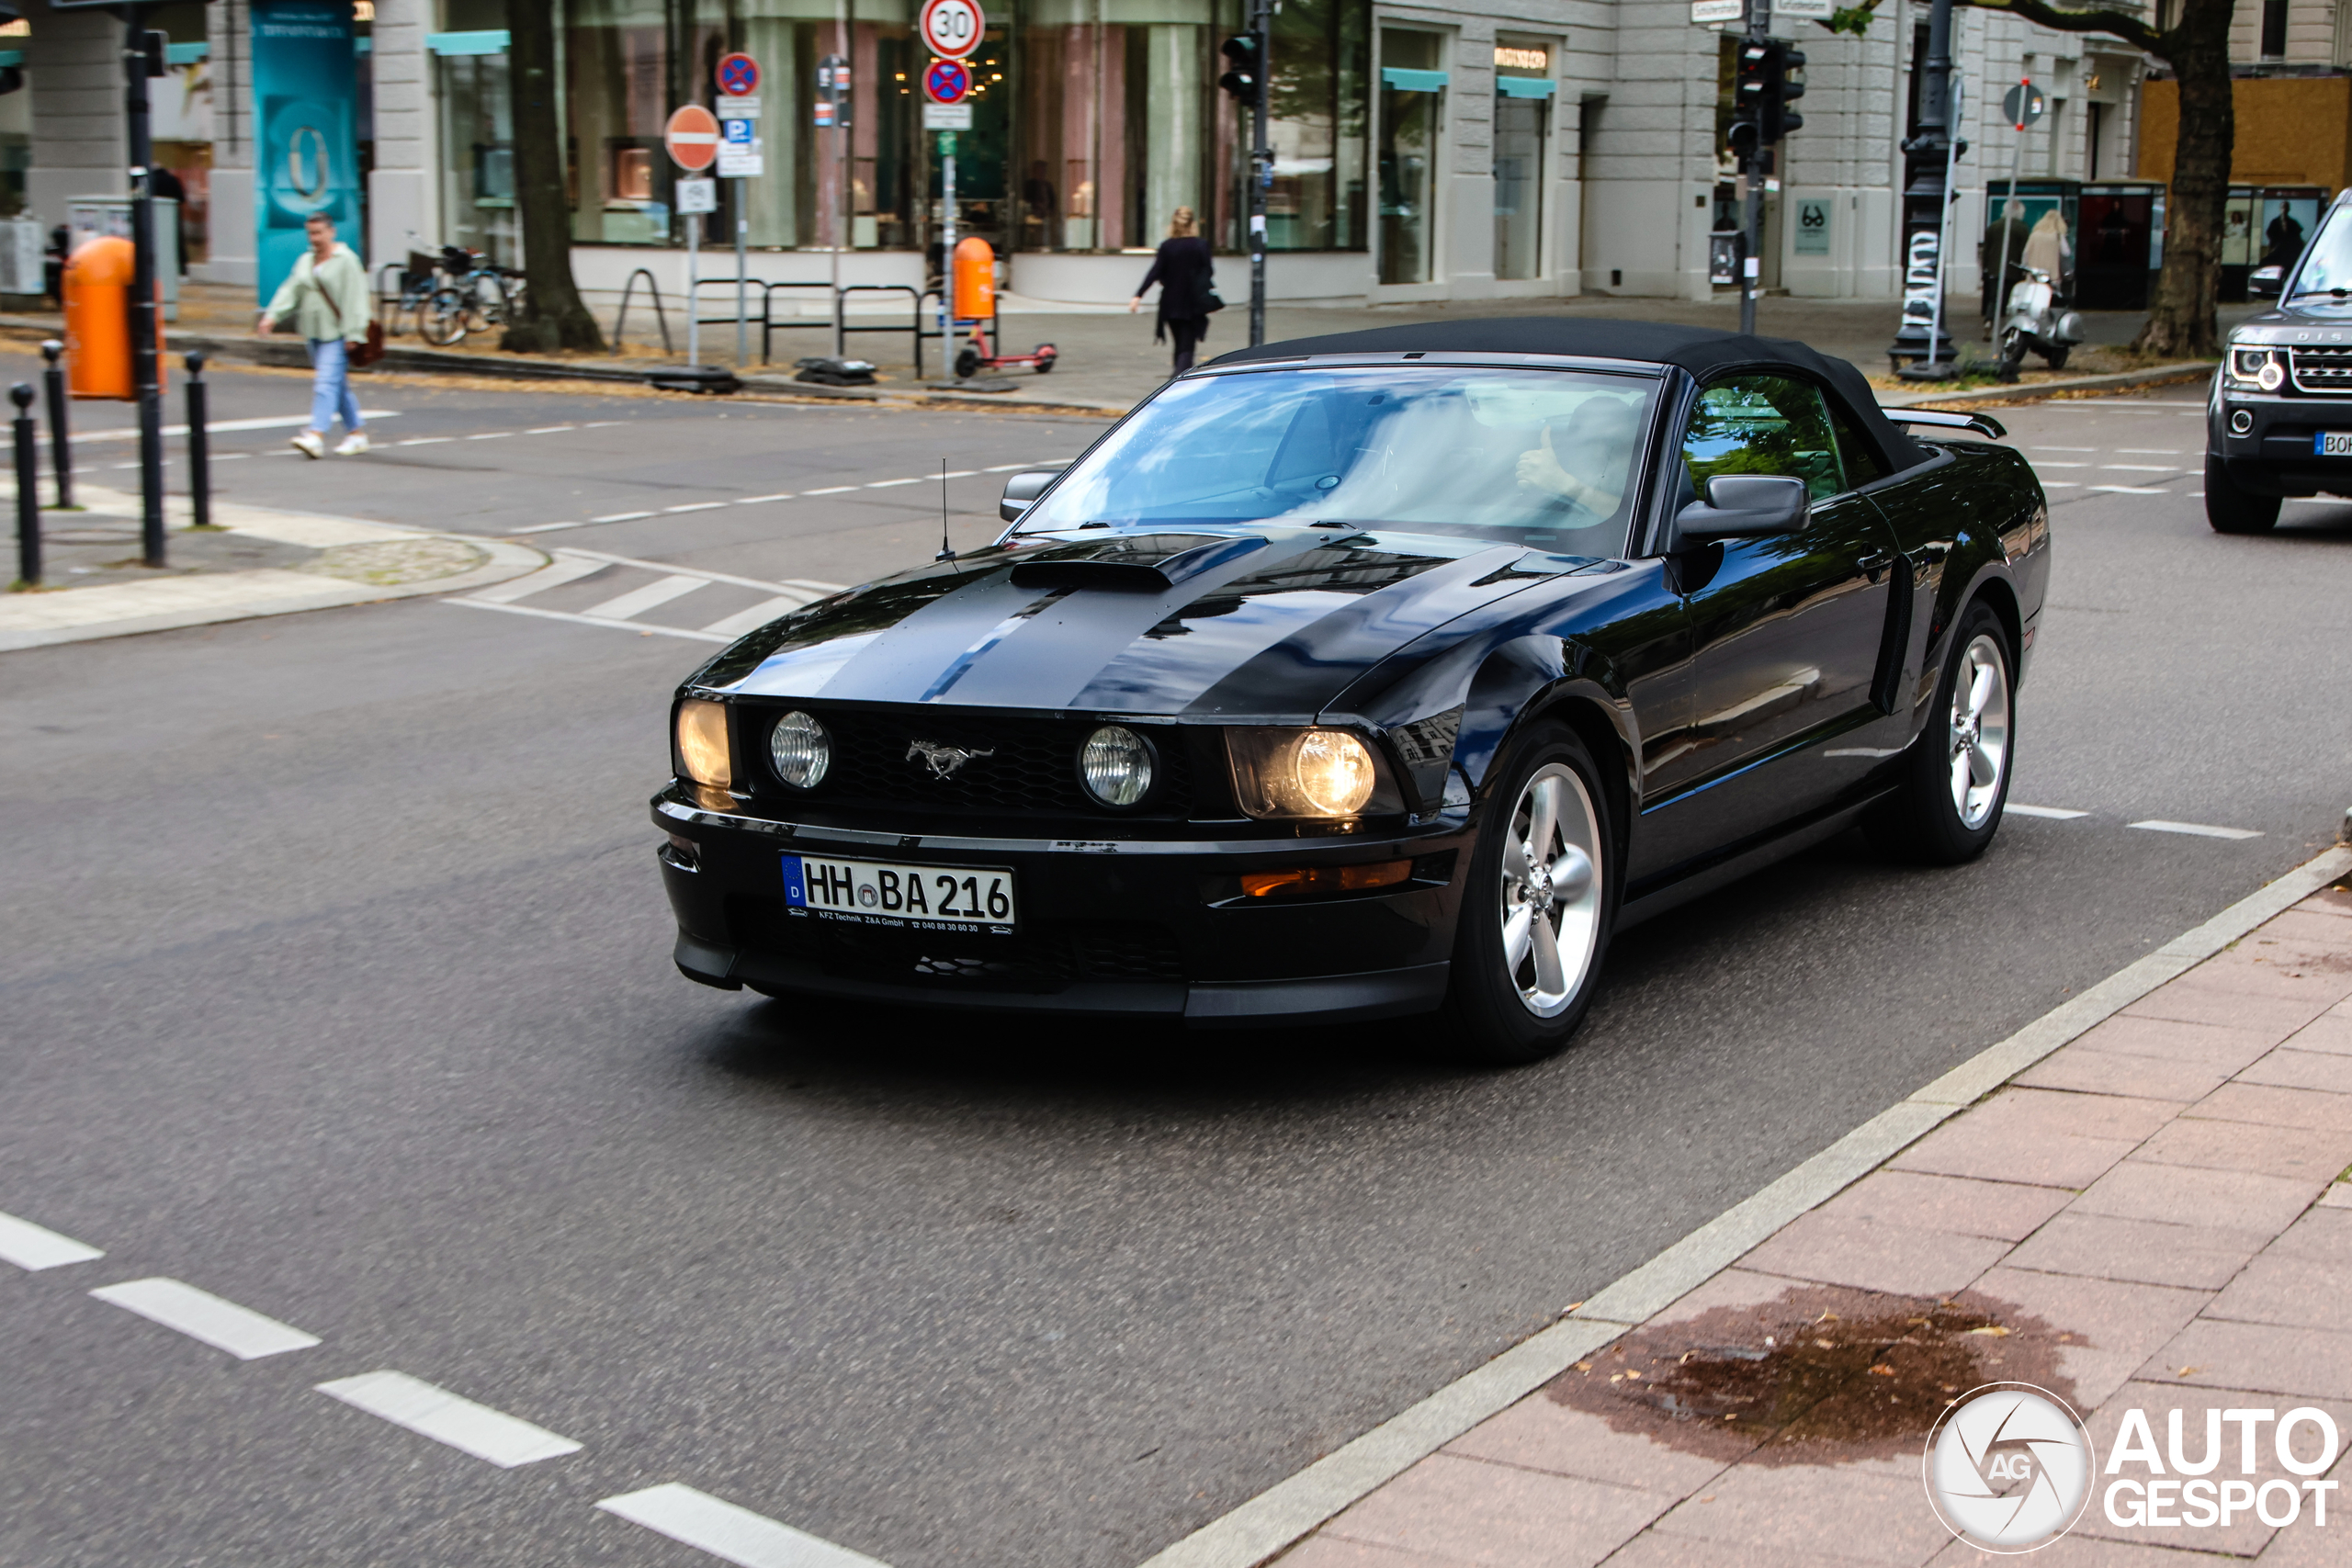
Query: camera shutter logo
x,y
2008,1467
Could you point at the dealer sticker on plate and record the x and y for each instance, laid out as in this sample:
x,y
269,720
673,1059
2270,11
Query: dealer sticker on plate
x,y
920,898
2332,442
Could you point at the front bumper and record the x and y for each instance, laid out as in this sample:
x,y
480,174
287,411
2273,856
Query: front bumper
x,y
2274,457
1133,927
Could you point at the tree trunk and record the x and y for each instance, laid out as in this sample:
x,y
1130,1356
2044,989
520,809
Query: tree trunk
x,y
2181,323
553,316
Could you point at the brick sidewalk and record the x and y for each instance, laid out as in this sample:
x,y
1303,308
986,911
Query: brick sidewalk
x,y
2152,1218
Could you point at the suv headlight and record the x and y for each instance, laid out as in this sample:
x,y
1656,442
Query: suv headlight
x,y
2264,368
1308,773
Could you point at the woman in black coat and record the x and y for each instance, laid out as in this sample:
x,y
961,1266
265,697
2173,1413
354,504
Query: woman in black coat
x,y
1187,282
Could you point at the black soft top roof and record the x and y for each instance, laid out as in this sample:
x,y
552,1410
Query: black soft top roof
x,y
1702,351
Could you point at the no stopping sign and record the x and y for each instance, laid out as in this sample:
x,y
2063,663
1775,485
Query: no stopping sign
x,y
952,28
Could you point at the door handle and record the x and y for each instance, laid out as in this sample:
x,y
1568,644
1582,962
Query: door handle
x,y
1872,565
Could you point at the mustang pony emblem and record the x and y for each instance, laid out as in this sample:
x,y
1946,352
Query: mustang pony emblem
x,y
944,759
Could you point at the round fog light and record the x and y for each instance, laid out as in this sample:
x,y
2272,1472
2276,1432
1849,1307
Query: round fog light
x,y
800,750
2241,422
1115,765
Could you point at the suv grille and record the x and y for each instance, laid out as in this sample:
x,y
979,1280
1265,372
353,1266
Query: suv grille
x,y
1018,765
2324,370
1047,956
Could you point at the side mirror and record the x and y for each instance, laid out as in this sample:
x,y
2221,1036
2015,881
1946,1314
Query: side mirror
x,y
1744,506
2266,282
1023,489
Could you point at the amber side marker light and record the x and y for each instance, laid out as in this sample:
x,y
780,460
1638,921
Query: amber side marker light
x,y
1324,879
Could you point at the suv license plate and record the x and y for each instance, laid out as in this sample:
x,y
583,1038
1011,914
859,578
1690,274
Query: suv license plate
x,y
2332,442
917,898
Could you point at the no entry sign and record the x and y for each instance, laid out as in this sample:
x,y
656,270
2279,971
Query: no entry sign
x,y
691,137
952,28
948,81
739,75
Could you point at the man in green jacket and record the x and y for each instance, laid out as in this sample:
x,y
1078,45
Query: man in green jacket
x,y
325,299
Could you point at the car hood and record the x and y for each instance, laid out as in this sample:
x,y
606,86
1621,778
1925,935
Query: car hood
x,y
1263,622
2313,321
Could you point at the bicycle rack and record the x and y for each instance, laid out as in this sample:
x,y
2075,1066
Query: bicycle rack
x,y
620,321
841,329
765,319
943,333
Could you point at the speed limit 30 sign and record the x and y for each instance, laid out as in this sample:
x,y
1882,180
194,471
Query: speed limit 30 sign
x,y
952,28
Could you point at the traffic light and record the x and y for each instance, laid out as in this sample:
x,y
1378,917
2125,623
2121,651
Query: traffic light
x,y
1779,91
1749,83
1245,56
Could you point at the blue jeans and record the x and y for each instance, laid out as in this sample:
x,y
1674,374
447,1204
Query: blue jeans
x,y
331,392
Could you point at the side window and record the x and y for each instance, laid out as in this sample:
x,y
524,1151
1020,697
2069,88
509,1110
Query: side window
x,y
1864,465
1763,424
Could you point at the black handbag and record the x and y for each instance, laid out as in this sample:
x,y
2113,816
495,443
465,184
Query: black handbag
x,y
1214,305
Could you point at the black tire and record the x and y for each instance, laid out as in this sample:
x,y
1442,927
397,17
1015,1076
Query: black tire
x,y
2057,357
967,363
441,320
2012,353
1922,821
1489,1019
1046,356
2233,510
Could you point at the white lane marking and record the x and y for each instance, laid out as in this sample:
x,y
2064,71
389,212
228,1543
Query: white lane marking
x,y
243,1332
2040,466
694,506
585,621
2055,812
214,426
603,423
423,440
830,490
816,590
546,527
620,517
2062,484
755,499
548,429
2131,490
636,600
759,614
2142,467
2062,448
886,484
2149,451
487,1434
562,569
1006,467
2198,829
723,1529
32,1247
490,436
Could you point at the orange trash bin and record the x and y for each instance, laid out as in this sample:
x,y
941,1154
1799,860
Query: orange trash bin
x,y
97,321
975,280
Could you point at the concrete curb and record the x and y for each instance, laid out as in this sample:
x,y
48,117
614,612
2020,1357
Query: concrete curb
x,y
1278,1518
2186,370
125,609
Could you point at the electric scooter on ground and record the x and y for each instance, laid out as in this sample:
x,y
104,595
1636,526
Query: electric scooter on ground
x,y
979,354
2035,324
973,296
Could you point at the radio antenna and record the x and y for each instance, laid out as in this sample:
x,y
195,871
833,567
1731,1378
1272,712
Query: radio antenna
x,y
945,552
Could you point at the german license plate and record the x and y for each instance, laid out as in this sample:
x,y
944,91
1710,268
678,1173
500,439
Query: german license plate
x,y
919,897
2332,442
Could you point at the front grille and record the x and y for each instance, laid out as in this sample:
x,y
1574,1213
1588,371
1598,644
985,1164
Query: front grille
x,y
1045,956
1018,765
2325,370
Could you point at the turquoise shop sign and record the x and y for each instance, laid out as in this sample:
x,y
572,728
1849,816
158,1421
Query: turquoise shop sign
x,y
306,152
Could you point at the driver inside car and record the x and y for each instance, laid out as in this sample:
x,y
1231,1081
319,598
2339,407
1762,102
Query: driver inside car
x,y
1588,462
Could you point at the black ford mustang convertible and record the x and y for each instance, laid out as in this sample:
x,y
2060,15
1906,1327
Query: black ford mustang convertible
x,y
1367,676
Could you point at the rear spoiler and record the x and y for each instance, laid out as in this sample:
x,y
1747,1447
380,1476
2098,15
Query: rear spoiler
x,y
1983,423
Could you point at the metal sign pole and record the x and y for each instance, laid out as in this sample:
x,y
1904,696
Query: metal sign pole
x,y
1262,168
742,262
2024,94
1943,231
693,309
145,370
946,242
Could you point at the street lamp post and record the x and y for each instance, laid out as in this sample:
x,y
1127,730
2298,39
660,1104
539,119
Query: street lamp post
x,y
1927,192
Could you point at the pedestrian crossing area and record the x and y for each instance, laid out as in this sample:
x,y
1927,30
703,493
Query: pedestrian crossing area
x,y
651,598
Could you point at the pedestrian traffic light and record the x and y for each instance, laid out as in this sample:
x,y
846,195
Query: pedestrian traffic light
x,y
1779,91
1245,55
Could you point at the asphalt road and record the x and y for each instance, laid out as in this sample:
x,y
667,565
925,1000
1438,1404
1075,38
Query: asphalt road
x,y
335,980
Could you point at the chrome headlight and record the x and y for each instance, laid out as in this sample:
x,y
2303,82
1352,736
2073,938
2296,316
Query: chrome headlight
x,y
1308,772
1115,765
2264,368
800,750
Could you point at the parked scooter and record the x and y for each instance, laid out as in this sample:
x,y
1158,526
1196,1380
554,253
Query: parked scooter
x,y
2036,324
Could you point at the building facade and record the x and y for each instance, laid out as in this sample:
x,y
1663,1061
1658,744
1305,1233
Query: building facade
x,y
1524,148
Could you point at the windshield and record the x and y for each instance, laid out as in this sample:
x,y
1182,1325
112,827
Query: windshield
x,y
2327,266
1543,458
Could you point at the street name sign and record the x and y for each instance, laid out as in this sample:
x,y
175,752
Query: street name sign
x,y
1815,10
692,138
1718,10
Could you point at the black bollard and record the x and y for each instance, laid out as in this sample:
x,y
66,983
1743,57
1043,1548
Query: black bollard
x,y
61,445
27,488
200,447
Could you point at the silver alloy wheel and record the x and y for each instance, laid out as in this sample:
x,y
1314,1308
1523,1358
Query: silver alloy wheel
x,y
1551,890
1980,730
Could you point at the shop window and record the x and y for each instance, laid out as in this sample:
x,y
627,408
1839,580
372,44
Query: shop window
x,y
1316,126
1523,93
1412,95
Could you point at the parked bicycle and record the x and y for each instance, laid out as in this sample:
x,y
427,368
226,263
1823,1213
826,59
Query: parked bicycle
x,y
455,292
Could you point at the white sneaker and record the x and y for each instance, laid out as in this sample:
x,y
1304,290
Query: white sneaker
x,y
353,444
308,444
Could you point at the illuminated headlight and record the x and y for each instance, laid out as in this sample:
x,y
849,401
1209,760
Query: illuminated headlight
x,y
1306,772
703,754
800,751
2263,368
1115,765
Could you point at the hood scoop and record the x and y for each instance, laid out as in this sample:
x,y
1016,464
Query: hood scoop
x,y
1134,563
